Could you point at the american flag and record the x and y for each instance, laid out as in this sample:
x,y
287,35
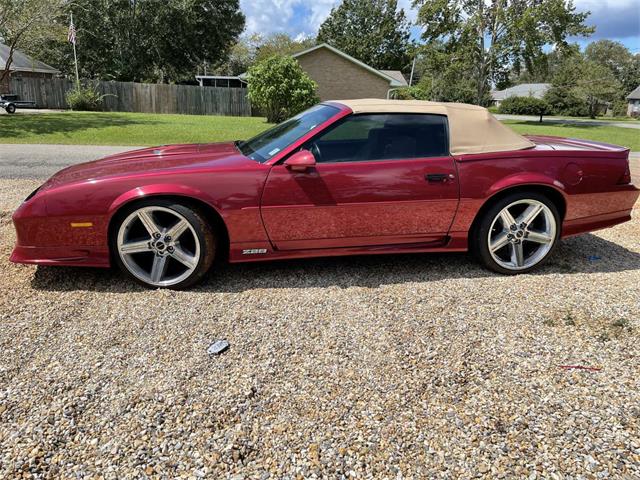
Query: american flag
x,y
72,33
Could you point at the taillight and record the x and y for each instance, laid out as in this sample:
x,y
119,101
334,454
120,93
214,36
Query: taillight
x,y
626,176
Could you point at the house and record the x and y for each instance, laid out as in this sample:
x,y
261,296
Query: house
x,y
22,66
340,76
633,108
536,90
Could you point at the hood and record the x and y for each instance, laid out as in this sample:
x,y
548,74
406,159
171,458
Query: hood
x,y
163,159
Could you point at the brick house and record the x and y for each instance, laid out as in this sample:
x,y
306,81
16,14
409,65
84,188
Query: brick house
x,y
340,76
22,66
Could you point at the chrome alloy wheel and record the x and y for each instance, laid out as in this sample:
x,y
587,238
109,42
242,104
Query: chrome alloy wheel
x,y
158,246
522,234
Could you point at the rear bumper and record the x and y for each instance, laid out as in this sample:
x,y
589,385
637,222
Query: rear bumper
x,y
591,212
597,222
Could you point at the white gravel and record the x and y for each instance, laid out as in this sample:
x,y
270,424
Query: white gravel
x,y
420,366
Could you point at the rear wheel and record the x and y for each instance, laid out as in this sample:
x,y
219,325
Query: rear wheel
x,y
163,244
11,109
517,233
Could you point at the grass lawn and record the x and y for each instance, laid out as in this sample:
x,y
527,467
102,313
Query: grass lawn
x,y
83,128
87,128
627,137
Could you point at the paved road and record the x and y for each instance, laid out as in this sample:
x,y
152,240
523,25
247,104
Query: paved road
x,y
569,121
42,161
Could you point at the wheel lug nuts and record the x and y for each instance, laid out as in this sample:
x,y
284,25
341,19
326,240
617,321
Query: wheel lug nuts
x,y
513,227
168,238
170,249
156,235
509,236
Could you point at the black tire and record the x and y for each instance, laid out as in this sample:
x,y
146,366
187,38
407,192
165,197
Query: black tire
x,y
11,109
479,236
197,220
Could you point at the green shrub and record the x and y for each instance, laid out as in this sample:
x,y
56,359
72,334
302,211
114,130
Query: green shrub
x,y
85,98
411,93
525,106
619,108
280,88
564,102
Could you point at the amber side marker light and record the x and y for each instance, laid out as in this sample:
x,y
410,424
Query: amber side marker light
x,y
81,224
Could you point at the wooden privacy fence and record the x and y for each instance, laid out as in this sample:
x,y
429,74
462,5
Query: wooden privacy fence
x,y
140,97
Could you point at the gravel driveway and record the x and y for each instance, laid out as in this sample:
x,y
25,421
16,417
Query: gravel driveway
x,y
418,366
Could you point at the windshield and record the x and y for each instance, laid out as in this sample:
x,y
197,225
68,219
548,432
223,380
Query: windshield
x,y
264,146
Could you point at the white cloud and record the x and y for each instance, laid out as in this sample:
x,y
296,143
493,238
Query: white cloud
x,y
268,16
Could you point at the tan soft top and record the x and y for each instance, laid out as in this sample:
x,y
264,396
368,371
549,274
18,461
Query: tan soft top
x,y
472,129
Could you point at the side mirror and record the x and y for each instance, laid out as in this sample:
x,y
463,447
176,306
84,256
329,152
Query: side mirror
x,y
300,161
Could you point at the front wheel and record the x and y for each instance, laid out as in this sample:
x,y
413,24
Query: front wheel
x,y
163,244
11,109
517,233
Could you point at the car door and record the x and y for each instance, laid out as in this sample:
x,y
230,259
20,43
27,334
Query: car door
x,y
379,179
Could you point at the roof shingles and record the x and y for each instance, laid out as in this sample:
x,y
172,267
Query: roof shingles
x,y
23,63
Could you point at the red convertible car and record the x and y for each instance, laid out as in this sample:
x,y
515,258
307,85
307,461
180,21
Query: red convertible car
x,y
342,178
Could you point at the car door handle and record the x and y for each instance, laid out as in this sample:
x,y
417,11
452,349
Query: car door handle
x,y
438,177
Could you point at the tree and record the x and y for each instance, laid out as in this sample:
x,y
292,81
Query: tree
x,y
561,95
596,86
372,31
281,44
546,66
256,48
280,87
146,40
446,78
496,34
25,22
624,66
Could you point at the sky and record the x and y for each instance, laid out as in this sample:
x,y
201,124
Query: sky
x,y
614,19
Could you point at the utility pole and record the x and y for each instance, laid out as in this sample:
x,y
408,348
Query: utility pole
x,y
413,67
72,40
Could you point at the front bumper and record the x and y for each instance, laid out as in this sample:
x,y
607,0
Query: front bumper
x,y
61,256
52,240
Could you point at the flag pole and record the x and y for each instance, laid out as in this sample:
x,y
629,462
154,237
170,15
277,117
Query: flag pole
x,y
75,56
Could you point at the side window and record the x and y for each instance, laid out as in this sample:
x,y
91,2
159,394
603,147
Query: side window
x,y
382,137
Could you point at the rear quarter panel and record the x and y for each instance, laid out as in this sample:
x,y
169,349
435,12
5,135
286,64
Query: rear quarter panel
x,y
587,180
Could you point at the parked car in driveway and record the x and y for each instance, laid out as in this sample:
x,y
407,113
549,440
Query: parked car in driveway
x,y
342,178
11,102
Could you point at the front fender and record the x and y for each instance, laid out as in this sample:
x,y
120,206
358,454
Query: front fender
x,y
160,189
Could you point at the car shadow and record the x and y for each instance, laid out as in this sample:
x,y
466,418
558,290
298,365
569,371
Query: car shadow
x,y
584,254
